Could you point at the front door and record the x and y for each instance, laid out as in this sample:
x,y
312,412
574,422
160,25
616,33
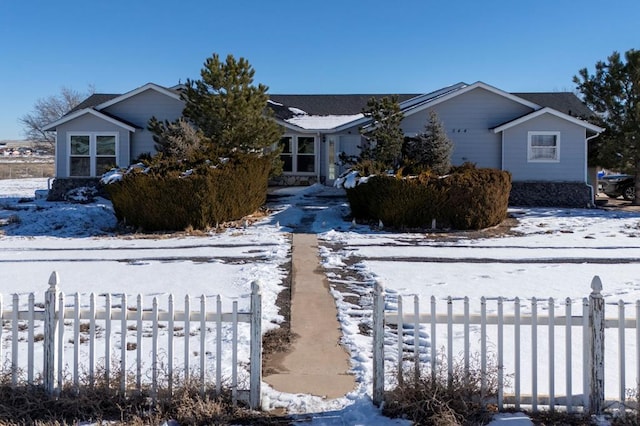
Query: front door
x,y
332,159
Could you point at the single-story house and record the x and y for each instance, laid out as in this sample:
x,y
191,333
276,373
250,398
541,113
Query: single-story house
x,y
541,138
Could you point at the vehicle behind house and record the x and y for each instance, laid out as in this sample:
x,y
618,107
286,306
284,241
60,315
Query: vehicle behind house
x,y
617,185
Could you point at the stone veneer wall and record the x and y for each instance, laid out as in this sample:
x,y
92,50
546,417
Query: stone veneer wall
x,y
551,194
61,187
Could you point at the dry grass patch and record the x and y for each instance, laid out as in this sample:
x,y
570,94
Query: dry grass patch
x,y
445,401
26,169
31,405
459,400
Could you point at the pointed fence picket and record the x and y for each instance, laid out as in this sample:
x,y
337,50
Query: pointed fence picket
x,y
410,354
57,312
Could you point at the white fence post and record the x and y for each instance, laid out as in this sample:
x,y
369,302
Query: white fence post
x,y
1,328
255,347
57,337
378,344
592,321
50,327
596,347
586,351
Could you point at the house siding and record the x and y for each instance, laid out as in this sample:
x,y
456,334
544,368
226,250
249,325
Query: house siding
x,y
572,161
349,144
139,109
468,119
88,124
305,178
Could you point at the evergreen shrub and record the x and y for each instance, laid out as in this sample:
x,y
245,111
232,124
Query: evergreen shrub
x,y
467,198
163,199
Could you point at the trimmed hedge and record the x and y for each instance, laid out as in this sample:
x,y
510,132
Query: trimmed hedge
x,y
468,198
167,201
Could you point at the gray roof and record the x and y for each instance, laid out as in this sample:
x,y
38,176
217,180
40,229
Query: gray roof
x,y
345,104
94,100
327,104
566,102
311,104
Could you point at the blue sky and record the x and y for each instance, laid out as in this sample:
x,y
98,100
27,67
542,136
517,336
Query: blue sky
x,y
304,46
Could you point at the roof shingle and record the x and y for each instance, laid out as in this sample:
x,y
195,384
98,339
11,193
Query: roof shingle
x,y
565,102
94,100
332,104
351,104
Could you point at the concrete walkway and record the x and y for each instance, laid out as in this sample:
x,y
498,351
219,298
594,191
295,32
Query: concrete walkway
x,y
316,363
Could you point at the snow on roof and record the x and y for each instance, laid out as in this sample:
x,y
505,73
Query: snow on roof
x,y
322,122
297,111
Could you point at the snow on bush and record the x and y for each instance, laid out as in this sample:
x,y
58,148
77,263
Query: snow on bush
x,y
350,179
116,174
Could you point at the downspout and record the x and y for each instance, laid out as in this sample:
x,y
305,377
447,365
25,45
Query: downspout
x,y
319,157
56,151
586,169
502,151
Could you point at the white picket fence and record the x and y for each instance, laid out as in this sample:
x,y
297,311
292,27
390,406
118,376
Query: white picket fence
x,y
117,317
578,337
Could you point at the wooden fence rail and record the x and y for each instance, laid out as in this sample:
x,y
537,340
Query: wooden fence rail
x,y
117,317
590,324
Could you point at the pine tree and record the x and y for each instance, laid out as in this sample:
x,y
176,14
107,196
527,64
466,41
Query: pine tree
x,y
384,136
430,149
228,109
613,92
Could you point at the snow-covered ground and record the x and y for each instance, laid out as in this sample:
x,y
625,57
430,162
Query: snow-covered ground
x,y
555,254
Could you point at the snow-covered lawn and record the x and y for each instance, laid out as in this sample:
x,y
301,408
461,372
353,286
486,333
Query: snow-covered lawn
x,y
555,253
556,256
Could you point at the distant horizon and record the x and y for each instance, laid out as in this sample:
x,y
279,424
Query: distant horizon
x,y
328,47
7,141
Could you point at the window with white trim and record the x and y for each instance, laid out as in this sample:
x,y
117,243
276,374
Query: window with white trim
x,y
544,146
298,154
92,154
80,156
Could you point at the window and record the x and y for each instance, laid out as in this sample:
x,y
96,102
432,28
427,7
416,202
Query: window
x,y
80,156
544,147
286,143
92,154
105,153
306,158
298,154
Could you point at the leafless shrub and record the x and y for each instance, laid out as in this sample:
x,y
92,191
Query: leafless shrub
x,y
448,400
458,400
630,415
99,399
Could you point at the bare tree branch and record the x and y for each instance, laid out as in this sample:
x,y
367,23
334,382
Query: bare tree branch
x,y
47,110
